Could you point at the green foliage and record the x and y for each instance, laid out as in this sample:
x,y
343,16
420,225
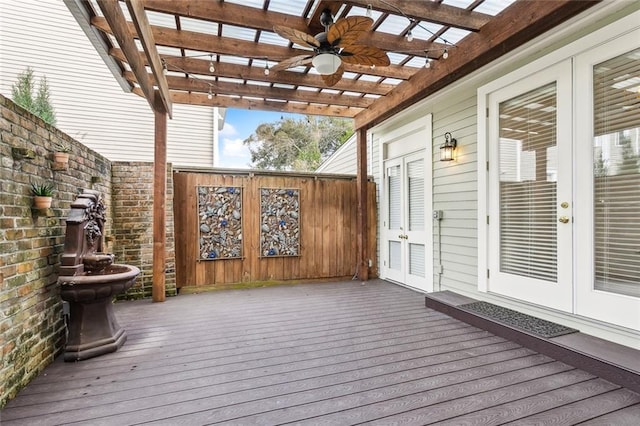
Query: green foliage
x,y
300,145
22,94
63,147
630,160
42,190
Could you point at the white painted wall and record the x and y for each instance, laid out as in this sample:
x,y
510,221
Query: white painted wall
x,y
90,105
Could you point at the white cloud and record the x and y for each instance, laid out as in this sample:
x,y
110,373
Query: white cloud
x,y
228,130
234,154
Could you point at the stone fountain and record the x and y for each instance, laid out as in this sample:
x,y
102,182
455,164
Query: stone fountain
x,y
89,280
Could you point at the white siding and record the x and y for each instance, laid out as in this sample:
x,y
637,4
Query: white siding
x,y
343,161
90,105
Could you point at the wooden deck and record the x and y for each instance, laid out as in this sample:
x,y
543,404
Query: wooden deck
x,y
336,353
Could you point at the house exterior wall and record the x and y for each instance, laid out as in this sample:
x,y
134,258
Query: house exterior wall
x,y
343,161
90,105
455,184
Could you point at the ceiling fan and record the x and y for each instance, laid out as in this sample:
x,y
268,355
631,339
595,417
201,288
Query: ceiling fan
x,y
333,47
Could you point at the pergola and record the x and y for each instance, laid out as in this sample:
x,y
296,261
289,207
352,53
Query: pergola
x,y
222,53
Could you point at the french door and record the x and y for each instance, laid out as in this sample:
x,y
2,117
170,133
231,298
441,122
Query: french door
x,y
608,182
405,226
530,189
564,185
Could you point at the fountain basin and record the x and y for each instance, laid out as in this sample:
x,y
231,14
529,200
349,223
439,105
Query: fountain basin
x,y
93,328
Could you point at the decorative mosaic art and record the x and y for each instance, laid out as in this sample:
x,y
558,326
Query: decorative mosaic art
x,y
220,222
279,222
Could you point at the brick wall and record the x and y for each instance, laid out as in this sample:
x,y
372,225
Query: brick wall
x,y
32,329
133,225
31,323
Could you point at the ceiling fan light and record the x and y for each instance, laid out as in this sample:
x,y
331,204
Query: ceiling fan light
x,y
326,63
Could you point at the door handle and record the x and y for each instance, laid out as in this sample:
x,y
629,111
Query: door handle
x,y
563,219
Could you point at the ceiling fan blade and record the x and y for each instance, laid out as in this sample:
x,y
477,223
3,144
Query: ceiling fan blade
x,y
296,36
331,79
364,55
348,30
292,62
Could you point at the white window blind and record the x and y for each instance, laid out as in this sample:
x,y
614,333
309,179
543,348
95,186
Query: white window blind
x,y
417,260
527,188
394,181
616,150
415,174
395,255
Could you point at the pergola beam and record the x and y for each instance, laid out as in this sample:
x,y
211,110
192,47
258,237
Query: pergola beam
x,y
518,24
244,72
440,13
121,30
264,105
233,47
186,84
141,22
249,17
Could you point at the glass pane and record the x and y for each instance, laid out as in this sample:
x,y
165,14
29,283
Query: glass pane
x,y
393,183
528,170
416,259
616,174
415,173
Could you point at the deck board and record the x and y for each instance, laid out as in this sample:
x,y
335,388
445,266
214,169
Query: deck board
x,y
335,353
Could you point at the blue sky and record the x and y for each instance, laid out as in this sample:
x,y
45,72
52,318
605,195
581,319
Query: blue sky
x,y
239,124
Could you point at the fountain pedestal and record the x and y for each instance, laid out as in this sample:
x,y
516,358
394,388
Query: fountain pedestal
x,y
89,281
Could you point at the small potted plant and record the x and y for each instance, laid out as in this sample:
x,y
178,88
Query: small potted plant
x,y
42,195
61,154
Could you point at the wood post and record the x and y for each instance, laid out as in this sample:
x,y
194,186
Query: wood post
x,y
159,200
362,223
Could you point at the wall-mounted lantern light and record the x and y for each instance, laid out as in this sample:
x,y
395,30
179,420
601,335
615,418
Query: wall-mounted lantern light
x,y
447,148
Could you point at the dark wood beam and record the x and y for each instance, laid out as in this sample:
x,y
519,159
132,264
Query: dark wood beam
x,y
185,84
430,11
247,49
158,293
141,23
516,25
258,19
245,72
262,105
119,27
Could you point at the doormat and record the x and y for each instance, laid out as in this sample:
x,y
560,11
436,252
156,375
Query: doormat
x,y
524,322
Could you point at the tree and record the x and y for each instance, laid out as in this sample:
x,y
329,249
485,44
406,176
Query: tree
x,y
22,94
297,144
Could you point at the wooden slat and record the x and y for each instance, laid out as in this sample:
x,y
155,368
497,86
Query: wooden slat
x,y
253,90
262,105
337,353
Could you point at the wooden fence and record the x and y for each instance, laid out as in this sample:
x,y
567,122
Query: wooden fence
x,y
328,238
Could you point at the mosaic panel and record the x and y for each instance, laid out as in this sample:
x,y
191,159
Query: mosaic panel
x,y
220,222
279,222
